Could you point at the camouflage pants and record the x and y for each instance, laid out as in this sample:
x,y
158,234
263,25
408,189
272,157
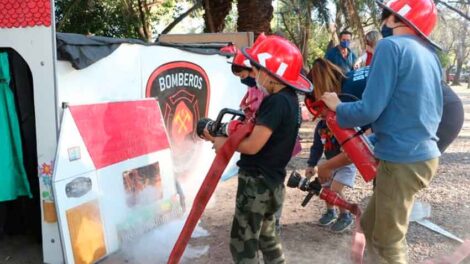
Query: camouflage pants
x,y
253,225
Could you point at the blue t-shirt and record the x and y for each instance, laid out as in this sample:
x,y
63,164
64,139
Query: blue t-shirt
x,y
402,100
354,84
346,64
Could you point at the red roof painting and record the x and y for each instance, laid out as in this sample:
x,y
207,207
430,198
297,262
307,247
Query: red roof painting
x,y
118,131
25,13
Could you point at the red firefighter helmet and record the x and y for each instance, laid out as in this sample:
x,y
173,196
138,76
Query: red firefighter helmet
x,y
421,15
282,60
240,60
230,49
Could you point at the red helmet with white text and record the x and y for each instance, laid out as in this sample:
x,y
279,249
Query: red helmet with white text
x,y
282,60
240,60
229,50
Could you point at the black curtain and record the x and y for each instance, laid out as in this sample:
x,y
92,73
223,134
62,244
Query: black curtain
x,y
23,215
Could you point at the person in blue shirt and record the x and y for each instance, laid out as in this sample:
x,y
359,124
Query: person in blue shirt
x,y
341,55
403,101
453,116
353,85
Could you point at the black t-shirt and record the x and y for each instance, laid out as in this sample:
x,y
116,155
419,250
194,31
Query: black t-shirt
x,y
281,113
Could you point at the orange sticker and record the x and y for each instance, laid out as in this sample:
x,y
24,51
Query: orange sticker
x,y
86,232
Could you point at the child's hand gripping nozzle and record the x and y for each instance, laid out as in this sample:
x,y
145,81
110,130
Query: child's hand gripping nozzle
x,y
315,188
353,141
218,128
235,130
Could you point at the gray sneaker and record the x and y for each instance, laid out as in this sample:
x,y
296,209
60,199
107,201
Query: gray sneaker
x,y
343,223
328,218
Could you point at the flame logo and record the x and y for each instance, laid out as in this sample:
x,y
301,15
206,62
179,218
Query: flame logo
x,y
182,123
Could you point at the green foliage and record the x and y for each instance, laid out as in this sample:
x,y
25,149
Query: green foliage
x,y
105,18
293,18
168,10
445,58
368,10
317,43
231,19
112,18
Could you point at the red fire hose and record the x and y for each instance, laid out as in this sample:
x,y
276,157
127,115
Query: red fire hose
x,y
360,154
207,189
354,144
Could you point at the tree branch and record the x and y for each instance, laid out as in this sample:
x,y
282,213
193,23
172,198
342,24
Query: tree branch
x,y
181,17
291,34
453,9
142,16
210,22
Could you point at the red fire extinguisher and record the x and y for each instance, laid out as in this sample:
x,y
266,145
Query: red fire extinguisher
x,y
354,143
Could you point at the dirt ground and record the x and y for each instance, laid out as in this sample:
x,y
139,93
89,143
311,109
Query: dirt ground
x,y
306,242
302,239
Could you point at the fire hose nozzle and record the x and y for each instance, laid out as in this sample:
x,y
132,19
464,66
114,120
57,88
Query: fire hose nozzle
x,y
315,188
217,128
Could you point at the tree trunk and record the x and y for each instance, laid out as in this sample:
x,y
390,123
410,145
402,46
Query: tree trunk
x,y
456,80
215,13
447,74
306,34
139,12
356,23
255,16
143,12
461,51
340,13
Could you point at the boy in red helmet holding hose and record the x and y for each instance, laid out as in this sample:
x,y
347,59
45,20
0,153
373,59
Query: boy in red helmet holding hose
x,y
403,102
267,150
242,68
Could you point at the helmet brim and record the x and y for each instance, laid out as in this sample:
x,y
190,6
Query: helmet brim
x,y
243,66
302,84
420,33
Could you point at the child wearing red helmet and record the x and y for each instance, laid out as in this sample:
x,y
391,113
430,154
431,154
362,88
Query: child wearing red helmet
x,y
265,153
403,101
242,68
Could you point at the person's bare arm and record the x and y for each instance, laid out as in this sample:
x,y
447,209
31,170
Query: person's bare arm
x,y
256,140
325,169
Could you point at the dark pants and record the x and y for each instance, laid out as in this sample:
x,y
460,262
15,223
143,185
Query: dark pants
x,y
253,225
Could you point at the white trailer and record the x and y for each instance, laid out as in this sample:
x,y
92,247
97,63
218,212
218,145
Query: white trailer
x,y
97,136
